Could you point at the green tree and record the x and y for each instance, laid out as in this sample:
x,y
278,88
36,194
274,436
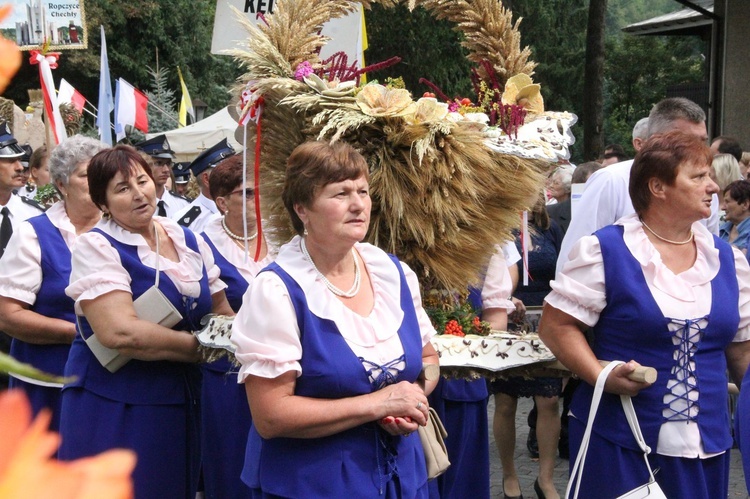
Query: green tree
x,y
178,30
428,49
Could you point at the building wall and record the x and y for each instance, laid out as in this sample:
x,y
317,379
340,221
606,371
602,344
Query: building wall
x,y
735,97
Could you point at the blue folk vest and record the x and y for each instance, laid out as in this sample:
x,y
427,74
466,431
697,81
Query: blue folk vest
x,y
631,326
353,463
51,300
143,382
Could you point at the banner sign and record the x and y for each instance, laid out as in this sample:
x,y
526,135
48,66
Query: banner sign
x,y
345,32
32,22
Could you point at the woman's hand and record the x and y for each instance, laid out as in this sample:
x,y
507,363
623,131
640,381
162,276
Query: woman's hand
x,y
619,383
405,406
519,313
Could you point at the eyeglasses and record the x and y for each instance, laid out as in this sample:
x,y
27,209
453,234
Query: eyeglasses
x,y
249,192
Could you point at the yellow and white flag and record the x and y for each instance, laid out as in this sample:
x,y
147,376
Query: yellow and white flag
x,y
186,104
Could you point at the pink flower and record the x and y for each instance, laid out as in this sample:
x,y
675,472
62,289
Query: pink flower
x,y
453,106
304,69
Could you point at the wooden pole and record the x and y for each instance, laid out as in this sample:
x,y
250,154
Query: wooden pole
x,y
642,374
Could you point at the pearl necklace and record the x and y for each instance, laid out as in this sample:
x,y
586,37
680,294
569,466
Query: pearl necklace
x,y
338,292
235,236
678,243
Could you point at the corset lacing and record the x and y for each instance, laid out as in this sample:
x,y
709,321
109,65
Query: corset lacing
x,y
382,375
681,400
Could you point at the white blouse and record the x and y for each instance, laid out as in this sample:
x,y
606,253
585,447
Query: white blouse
x,y
96,268
246,266
266,334
579,291
21,269
498,286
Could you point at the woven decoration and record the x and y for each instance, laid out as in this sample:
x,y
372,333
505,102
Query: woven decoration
x,y
443,196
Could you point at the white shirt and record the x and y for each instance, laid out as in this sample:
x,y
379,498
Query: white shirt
x,y
498,285
605,200
96,268
265,331
21,270
20,210
579,291
197,223
247,267
172,203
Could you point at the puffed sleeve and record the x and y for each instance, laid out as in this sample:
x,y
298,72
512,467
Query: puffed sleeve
x,y
265,331
96,269
498,285
425,324
578,290
743,280
212,270
21,269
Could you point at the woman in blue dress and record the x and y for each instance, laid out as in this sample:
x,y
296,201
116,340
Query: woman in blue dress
x,y
659,290
151,404
225,415
545,239
34,309
332,337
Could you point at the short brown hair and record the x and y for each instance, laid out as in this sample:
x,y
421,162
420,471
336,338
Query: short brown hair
x,y
739,190
312,166
105,165
660,157
226,176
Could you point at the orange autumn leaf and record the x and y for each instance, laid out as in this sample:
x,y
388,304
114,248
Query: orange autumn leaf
x,y
27,469
10,55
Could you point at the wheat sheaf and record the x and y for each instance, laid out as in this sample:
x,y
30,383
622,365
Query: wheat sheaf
x,y
441,199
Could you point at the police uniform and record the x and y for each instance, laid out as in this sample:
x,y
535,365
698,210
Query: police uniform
x,y
199,212
158,148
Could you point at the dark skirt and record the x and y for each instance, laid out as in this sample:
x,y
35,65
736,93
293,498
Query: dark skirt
x,y
41,397
465,420
611,470
518,386
225,419
164,437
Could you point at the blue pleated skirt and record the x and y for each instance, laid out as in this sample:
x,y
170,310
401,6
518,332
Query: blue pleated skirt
x,y
611,470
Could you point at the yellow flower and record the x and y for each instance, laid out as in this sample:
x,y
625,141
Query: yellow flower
x,y
27,471
427,109
379,101
522,91
10,55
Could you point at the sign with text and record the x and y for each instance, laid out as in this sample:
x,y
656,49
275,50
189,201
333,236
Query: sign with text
x,y
32,22
345,33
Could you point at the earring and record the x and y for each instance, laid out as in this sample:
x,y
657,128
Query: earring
x,y
304,232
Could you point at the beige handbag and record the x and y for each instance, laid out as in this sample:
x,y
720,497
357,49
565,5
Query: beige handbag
x,y
435,452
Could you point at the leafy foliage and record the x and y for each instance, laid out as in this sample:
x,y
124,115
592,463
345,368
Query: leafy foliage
x,y
162,114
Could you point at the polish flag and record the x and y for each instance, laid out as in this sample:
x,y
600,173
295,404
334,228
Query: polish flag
x,y
69,95
130,109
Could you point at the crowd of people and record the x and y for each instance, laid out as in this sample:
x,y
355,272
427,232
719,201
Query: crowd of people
x,y
649,265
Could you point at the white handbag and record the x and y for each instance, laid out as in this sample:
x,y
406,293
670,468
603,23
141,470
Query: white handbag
x,y
650,489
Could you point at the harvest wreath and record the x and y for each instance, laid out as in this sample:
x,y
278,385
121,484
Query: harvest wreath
x,y
448,177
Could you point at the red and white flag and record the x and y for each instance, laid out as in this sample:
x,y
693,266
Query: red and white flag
x,y
130,109
66,94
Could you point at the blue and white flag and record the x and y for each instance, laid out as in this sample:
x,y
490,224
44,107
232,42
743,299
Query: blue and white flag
x,y
106,101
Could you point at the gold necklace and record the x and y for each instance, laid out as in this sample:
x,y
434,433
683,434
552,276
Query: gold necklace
x,y
678,243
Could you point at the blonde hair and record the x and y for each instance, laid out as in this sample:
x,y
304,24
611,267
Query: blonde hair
x,y
727,170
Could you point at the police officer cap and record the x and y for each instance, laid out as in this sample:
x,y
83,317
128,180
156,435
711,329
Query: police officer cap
x,y
27,152
9,147
211,157
157,147
181,172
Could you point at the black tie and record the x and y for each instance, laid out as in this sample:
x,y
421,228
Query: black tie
x,y
6,230
162,212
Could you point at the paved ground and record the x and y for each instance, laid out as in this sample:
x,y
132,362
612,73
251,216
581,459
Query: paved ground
x,y
528,469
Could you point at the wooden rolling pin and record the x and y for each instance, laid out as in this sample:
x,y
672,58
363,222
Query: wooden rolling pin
x,y
641,374
429,372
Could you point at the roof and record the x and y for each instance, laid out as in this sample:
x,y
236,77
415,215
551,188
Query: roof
x,y
682,22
